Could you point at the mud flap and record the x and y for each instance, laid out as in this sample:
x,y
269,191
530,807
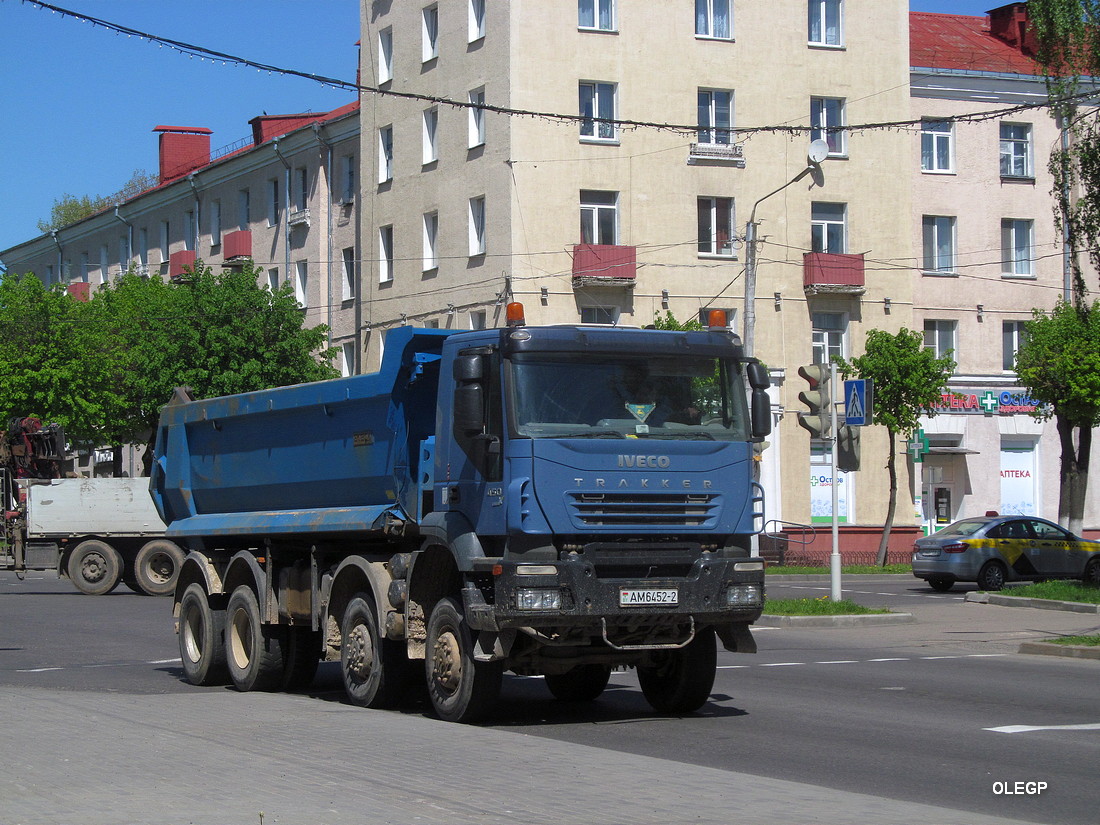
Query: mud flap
x,y
736,638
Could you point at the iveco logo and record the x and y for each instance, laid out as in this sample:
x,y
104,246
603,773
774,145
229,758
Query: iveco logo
x,y
645,461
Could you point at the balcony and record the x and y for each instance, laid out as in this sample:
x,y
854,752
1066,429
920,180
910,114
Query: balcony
x,y
832,273
604,265
79,290
299,217
179,261
237,246
716,154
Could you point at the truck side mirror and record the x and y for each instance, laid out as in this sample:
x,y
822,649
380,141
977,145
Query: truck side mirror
x,y
761,414
468,368
469,411
757,375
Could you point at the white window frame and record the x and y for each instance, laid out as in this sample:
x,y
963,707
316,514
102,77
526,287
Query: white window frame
x,y
1013,336
941,336
711,223
477,226
828,122
385,55
829,227
430,30
189,231
600,314
829,336
301,186
347,359
385,254
598,101
710,108
476,20
143,248
104,263
301,283
1016,151
385,154
349,178
1017,248
596,207
937,233
273,278
706,19
596,15
478,319
430,255
244,208
274,203
937,136
85,268
124,253
822,13
165,243
430,130
216,223
476,121
347,282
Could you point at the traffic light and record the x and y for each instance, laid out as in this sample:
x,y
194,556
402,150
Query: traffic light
x,y
818,400
847,448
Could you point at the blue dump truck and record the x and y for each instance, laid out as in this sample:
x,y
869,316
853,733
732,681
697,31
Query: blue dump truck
x,y
552,501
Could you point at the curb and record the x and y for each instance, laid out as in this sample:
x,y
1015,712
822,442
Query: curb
x,y
868,620
1069,651
1023,601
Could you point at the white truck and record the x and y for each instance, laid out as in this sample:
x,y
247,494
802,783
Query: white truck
x,y
95,531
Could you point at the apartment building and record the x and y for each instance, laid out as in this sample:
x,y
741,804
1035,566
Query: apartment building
x,y
988,253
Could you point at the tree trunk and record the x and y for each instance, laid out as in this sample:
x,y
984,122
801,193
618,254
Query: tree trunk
x,y
891,507
1074,474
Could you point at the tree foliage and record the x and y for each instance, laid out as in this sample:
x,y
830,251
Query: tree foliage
x,y
103,368
908,382
68,209
1059,363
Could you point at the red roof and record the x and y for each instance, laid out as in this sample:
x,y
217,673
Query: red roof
x,y
963,42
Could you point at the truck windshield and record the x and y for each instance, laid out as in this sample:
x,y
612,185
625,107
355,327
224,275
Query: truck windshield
x,y
556,395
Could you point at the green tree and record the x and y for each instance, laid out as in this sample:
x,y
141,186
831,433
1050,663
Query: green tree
x,y
1059,363
69,209
908,381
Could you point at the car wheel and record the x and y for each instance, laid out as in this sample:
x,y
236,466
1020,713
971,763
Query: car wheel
x,y
991,576
1092,573
941,584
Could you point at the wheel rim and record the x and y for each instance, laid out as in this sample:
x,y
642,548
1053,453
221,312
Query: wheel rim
x,y
93,567
161,568
447,662
240,639
994,577
192,634
360,654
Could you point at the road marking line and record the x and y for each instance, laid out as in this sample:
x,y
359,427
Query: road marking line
x,y
39,670
895,659
1030,728
839,662
177,660
781,664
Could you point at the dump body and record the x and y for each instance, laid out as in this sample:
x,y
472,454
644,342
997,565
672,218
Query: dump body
x,y
103,507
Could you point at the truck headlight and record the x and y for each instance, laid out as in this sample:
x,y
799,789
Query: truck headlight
x,y
538,598
744,595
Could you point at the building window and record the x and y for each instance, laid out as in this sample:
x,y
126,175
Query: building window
x,y
715,116
599,315
826,22
123,254
827,336
937,146
301,282
273,204
1016,248
713,19
189,230
431,121
385,254
216,223
348,281
476,122
596,14
244,202
939,336
104,263
273,278
597,101
165,246
347,359
939,244
430,39
477,226
1013,336
350,186
301,184
829,227
716,226
599,217
143,249
827,123
385,55
385,154
1016,150
477,319
85,267
430,257
476,20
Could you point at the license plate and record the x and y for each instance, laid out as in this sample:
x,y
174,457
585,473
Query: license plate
x,y
637,597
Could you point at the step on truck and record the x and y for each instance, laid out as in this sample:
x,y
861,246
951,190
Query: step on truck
x,y
554,501
96,532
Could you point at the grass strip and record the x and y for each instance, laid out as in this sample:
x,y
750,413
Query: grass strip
x,y
1061,591
1090,641
818,607
857,569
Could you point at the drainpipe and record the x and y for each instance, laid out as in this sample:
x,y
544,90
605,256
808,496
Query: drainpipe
x,y
286,209
328,227
129,239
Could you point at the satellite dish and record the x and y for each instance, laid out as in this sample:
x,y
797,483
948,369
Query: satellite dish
x,y
819,150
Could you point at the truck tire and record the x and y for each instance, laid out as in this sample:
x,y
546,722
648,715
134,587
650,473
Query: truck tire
x,y
303,655
374,669
581,684
254,651
460,688
94,567
681,680
202,639
156,566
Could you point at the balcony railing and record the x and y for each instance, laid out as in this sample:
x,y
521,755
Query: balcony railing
x,y
604,265
237,245
179,261
825,272
725,154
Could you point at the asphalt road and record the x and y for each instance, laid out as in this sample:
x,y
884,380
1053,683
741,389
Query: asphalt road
x,y
828,725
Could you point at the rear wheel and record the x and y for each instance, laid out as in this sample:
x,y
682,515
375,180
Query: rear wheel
x,y
156,567
581,684
94,567
202,639
941,584
991,576
375,670
254,651
460,688
302,656
681,680
1092,573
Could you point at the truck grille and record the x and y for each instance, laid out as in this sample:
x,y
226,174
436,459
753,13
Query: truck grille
x,y
660,509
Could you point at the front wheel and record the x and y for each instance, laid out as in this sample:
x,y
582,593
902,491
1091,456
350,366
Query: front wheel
x,y
461,689
375,669
254,650
201,637
681,680
991,576
583,683
94,567
156,566
1092,573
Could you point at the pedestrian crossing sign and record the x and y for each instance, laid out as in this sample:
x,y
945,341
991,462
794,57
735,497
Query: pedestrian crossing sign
x,y
857,402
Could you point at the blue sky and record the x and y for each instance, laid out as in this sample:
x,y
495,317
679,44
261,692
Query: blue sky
x,y
79,102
